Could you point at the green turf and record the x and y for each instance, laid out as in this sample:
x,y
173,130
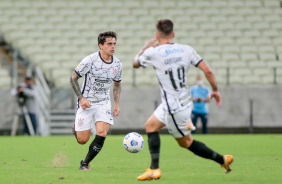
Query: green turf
x,y
50,160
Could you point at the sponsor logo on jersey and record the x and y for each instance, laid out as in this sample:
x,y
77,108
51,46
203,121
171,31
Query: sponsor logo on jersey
x,y
103,80
164,51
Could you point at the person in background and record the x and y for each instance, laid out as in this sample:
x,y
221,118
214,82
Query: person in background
x,y
26,97
201,97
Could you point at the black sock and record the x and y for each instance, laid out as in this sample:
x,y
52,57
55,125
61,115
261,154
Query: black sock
x,y
200,149
94,148
154,142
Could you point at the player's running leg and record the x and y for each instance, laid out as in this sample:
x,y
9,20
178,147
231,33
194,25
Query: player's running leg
x,y
98,142
152,126
200,149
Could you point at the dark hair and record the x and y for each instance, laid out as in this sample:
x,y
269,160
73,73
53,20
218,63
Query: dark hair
x,y
102,36
165,26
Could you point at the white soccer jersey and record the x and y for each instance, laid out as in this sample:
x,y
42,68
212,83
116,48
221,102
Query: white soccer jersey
x,y
171,63
98,76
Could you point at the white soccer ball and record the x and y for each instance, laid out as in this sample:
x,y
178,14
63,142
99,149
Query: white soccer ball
x,y
133,142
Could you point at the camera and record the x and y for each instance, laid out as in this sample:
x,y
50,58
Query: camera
x,y
21,97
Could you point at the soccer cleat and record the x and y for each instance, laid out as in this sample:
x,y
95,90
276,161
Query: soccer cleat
x,y
228,159
150,174
83,166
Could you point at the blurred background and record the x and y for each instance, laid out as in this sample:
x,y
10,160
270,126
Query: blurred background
x,y
240,40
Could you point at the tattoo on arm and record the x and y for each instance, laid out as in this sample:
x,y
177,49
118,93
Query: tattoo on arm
x,y
75,86
116,91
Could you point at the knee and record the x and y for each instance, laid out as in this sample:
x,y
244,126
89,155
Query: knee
x,y
149,127
185,142
102,133
82,140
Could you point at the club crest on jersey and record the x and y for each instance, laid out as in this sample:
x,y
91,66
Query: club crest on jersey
x,y
115,71
80,122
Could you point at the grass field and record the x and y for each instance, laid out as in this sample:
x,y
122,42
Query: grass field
x,y
50,160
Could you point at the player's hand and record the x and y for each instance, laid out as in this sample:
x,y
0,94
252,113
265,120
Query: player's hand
x,y
115,110
84,103
151,43
216,95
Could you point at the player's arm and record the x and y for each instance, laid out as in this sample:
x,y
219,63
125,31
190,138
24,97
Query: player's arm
x,y
116,94
209,74
212,80
151,43
116,91
75,86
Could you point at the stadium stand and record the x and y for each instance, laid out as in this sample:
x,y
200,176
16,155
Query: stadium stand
x,y
243,35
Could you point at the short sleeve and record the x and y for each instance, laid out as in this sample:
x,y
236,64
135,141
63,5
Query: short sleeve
x,y
195,57
118,77
83,67
145,59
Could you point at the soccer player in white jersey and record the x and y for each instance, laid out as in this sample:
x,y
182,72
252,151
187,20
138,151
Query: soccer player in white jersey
x,y
100,70
171,62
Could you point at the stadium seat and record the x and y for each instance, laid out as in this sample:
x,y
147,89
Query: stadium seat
x,y
273,64
244,41
271,4
253,4
256,63
226,11
211,56
225,41
266,48
226,26
208,11
182,4
236,4
254,18
252,33
231,48
200,19
246,11
237,64
271,33
261,25
263,11
249,56
215,33
249,48
206,41
267,79
213,48
262,71
233,33
219,4
251,79
216,64
230,56
265,56
235,79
